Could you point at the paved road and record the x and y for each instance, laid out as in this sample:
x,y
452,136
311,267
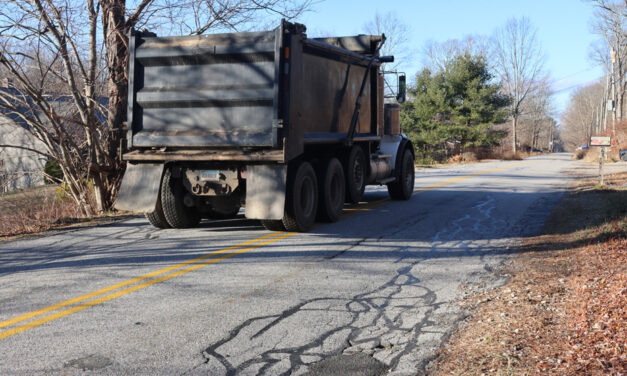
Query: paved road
x,y
373,292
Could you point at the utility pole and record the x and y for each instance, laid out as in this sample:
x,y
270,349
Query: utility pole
x,y
596,123
613,101
551,137
606,99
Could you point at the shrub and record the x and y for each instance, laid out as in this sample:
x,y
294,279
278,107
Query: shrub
x,y
579,154
53,172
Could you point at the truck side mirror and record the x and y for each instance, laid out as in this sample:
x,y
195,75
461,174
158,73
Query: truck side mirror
x,y
402,89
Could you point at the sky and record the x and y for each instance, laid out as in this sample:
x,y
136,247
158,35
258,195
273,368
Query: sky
x,y
563,30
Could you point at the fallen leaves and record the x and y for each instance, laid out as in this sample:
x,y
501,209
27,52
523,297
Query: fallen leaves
x,y
564,309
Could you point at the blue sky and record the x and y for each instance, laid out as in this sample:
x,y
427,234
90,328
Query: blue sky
x,y
563,29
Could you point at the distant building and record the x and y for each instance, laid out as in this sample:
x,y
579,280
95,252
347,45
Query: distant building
x,y
19,168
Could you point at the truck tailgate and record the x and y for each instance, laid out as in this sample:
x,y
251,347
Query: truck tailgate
x,y
204,91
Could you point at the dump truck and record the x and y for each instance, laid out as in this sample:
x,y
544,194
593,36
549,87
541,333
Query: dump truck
x,y
288,127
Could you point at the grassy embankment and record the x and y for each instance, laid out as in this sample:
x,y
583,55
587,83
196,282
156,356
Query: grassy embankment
x,y
38,209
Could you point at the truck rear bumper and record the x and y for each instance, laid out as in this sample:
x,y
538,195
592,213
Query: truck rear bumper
x,y
205,156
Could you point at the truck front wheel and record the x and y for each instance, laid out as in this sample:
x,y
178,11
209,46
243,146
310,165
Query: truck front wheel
x,y
176,213
301,199
403,187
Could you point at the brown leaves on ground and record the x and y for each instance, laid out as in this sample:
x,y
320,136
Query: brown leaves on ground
x,y
599,319
563,310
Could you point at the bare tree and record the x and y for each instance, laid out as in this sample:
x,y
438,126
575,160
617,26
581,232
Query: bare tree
x,y
68,62
396,33
580,118
438,55
537,119
519,61
611,24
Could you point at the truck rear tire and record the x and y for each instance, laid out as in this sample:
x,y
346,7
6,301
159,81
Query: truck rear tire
x,y
273,224
176,213
356,170
332,190
301,201
403,187
157,218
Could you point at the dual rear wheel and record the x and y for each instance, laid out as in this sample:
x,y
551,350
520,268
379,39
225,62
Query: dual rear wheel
x,y
171,211
311,195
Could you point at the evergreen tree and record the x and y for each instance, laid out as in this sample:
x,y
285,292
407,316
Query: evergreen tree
x,y
455,106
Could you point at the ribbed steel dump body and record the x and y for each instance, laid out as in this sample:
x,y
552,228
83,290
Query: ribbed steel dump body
x,y
260,96
199,91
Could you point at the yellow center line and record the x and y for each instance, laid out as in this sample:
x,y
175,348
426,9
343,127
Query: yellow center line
x,y
117,294
180,269
105,290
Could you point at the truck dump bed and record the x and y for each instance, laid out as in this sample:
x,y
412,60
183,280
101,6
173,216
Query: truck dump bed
x,y
247,92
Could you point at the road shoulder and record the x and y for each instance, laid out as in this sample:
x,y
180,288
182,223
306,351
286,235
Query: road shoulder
x,y
563,309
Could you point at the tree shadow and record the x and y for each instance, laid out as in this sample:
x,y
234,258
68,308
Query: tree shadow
x,y
442,223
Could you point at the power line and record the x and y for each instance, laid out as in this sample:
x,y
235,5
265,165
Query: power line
x,y
576,73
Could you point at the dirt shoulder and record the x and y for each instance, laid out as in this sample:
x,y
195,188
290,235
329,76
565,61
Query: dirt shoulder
x,y
564,309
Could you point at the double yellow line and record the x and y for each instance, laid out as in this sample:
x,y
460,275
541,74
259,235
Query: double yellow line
x,y
106,294
111,292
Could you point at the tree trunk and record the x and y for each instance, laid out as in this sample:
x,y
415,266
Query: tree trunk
x,y
619,105
514,124
115,33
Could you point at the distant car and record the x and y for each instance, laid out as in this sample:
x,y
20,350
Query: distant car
x,y
623,155
582,147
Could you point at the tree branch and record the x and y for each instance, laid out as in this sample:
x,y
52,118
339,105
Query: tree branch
x,y
134,18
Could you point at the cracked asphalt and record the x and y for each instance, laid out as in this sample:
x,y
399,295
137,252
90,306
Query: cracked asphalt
x,y
372,294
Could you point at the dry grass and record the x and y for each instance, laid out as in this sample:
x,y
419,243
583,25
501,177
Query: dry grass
x,y
486,154
34,210
510,156
466,157
580,154
563,310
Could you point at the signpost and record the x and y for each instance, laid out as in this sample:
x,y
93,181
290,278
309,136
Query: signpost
x,y
602,142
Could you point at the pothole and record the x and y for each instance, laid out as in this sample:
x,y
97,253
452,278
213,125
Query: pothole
x,y
89,363
359,364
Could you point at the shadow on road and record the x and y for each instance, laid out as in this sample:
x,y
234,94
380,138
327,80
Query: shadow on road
x,y
447,220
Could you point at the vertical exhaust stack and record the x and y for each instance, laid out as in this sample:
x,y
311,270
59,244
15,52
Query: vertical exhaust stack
x,y
392,114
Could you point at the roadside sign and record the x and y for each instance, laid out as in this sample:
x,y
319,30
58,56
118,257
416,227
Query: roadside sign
x,y
600,141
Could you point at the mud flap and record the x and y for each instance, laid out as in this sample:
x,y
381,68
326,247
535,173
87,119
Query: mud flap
x,y
265,191
140,188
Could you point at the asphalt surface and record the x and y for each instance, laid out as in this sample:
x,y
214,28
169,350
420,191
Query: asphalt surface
x,y
374,293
